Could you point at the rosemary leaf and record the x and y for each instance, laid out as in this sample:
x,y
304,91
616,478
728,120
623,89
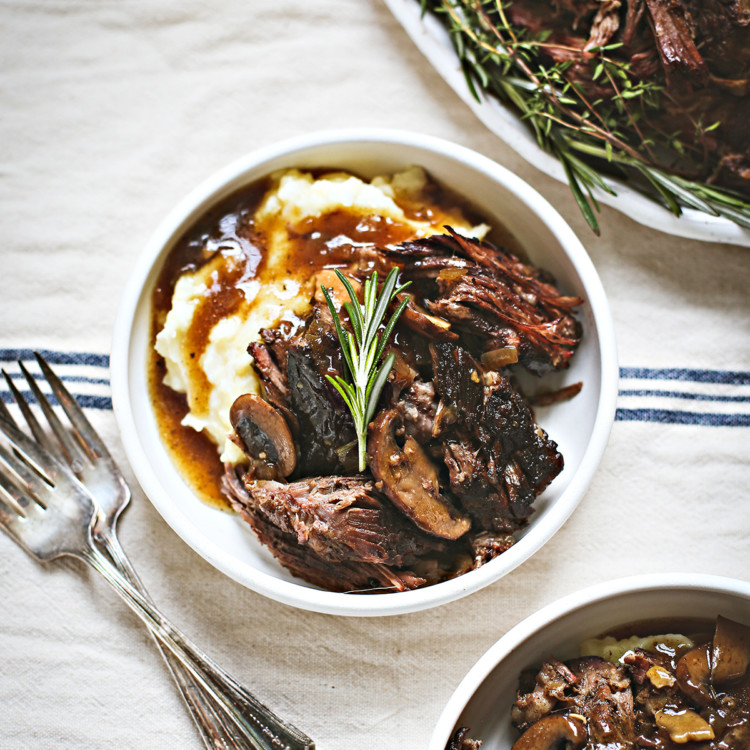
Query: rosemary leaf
x,y
363,349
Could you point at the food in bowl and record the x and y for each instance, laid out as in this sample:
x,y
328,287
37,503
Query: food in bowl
x,y
246,344
652,92
688,687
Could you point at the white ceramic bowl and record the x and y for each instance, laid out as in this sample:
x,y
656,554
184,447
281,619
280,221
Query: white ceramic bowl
x,y
483,699
581,426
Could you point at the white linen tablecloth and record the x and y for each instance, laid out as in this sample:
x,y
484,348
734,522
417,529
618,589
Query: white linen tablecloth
x,y
111,111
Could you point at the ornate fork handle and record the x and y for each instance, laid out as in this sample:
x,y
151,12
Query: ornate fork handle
x,y
267,730
209,718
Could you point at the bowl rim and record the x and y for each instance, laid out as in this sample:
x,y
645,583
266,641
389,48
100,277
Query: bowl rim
x,y
297,594
550,613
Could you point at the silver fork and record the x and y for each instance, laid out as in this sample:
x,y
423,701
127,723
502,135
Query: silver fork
x,y
49,512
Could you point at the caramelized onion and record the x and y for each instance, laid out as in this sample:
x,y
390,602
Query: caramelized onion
x,y
555,397
684,726
497,358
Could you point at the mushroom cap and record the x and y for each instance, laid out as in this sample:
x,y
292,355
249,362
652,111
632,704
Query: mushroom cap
x,y
730,655
264,433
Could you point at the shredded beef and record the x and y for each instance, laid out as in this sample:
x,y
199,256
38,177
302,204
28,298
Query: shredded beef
x,y
340,518
698,51
464,459
503,300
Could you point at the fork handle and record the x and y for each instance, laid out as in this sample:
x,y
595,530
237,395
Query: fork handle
x,y
266,730
217,728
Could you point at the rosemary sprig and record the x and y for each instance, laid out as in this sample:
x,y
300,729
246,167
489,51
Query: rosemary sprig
x,y
615,134
362,351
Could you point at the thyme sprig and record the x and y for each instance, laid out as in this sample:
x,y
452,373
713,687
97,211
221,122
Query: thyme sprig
x,y
363,350
612,133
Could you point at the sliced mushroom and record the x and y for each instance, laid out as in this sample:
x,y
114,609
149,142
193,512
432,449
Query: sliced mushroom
x,y
694,674
731,651
264,436
410,479
556,732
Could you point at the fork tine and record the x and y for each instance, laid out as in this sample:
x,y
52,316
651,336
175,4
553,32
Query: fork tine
x,y
4,413
70,406
22,482
36,429
71,448
39,459
11,517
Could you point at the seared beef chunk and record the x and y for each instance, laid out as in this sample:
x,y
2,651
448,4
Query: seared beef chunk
x,y
458,382
455,456
325,427
663,699
498,459
292,371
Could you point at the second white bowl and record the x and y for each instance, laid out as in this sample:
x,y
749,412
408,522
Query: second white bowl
x,y
484,698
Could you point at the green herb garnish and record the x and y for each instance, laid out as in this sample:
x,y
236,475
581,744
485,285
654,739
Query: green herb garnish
x,y
618,133
363,350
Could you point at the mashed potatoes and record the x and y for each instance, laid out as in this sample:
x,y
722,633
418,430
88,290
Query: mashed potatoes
x,y
282,288
613,650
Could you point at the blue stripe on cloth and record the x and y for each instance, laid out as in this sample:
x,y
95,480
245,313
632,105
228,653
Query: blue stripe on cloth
x,y
66,378
686,396
56,358
662,416
689,375
85,400
668,416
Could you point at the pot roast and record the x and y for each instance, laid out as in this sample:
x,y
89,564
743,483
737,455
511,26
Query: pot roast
x,y
455,456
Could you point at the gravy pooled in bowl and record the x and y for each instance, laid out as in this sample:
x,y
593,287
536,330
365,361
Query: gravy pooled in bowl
x,y
246,345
